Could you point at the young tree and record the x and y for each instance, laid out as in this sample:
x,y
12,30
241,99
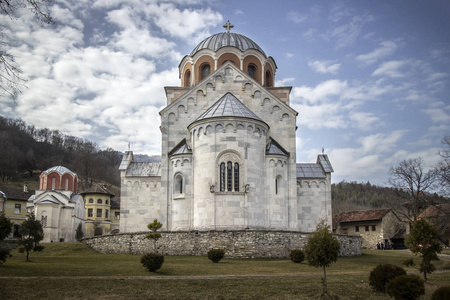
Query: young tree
x,y
153,235
31,234
79,232
5,230
422,240
414,184
322,249
5,226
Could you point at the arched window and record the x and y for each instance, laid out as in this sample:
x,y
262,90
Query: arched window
x,y
67,184
53,183
251,70
187,78
222,177
278,185
178,184
99,201
106,201
91,200
205,70
229,177
236,177
268,81
106,214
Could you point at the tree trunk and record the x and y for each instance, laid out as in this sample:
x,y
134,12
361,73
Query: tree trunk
x,y
324,280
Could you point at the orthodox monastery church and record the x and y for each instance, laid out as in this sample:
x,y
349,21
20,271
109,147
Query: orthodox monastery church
x,y
228,159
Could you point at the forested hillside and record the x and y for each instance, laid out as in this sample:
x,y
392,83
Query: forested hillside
x,y
25,151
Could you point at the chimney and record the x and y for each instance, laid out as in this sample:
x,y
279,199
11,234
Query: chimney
x,y
25,187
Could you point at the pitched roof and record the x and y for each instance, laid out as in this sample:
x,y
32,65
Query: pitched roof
x,y
144,169
360,215
228,106
181,148
97,189
309,170
325,162
437,210
16,194
275,149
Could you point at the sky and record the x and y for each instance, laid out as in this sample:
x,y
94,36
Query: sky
x,y
370,79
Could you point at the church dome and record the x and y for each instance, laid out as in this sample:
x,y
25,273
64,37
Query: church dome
x,y
227,39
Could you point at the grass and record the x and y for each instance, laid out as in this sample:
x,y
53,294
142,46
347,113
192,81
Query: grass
x,y
74,271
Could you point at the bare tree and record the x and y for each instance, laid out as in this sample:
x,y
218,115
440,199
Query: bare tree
x,y
11,80
414,185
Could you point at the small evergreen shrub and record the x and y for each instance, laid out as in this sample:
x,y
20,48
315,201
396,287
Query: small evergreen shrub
x,y
408,287
3,255
152,261
297,256
382,274
442,293
216,255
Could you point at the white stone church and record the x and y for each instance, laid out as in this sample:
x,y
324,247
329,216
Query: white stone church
x,y
228,159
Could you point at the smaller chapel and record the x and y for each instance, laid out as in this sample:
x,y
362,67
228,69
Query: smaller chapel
x,y
228,157
57,205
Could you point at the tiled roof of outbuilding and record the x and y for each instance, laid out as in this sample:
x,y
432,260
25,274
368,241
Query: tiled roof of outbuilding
x,y
16,194
360,215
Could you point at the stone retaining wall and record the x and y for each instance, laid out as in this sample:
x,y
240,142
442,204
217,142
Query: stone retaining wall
x,y
237,244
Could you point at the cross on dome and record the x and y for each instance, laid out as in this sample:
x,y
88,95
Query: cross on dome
x,y
228,26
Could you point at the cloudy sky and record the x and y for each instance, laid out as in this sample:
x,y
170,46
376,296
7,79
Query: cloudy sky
x,y
371,79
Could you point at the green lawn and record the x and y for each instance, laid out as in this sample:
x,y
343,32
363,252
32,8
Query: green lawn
x,y
74,271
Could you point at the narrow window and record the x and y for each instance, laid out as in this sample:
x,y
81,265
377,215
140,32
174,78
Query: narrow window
x,y
106,214
268,81
106,201
67,184
178,184
367,228
17,208
99,212
44,221
373,228
206,70
91,200
187,78
251,70
117,215
236,177
357,228
90,212
276,186
99,201
222,177
53,183
229,176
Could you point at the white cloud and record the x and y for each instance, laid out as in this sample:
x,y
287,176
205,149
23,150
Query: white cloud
x,y
390,69
284,81
296,17
384,49
363,120
324,66
321,92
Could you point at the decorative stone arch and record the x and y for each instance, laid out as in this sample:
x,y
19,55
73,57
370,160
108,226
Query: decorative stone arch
x,y
181,109
229,127
172,117
238,78
229,171
285,116
275,109
208,129
265,102
218,128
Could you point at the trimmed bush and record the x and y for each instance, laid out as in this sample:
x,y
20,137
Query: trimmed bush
x,y
442,293
382,274
406,287
152,261
216,255
297,256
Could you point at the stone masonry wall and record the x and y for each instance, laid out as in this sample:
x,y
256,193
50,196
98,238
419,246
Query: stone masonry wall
x,y
237,244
